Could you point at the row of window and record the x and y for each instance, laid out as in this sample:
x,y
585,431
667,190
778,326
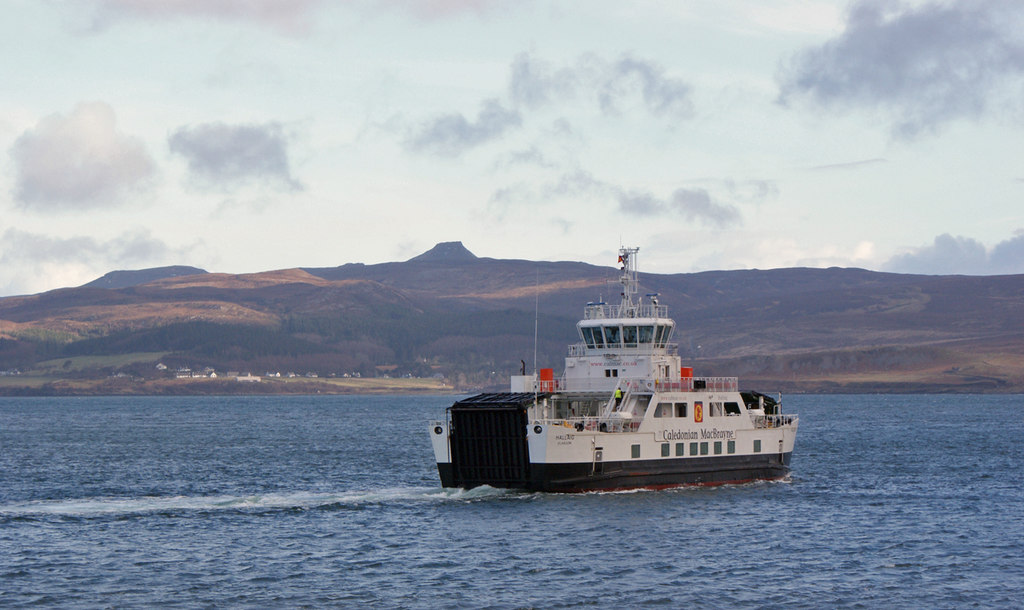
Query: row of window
x,y
696,448
625,336
680,409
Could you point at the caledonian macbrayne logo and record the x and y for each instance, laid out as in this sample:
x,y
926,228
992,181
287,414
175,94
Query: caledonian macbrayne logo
x,y
698,411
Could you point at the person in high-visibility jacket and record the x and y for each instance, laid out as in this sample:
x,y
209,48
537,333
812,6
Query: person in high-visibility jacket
x,y
618,396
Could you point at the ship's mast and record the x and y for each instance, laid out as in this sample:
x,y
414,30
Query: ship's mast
x,y
628,279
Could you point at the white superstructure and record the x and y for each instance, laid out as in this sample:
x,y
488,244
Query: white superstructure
x,y
624,413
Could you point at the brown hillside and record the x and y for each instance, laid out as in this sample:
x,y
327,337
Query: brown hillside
x,y
449,312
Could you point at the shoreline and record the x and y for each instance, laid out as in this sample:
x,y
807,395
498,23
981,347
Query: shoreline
x,y
70,387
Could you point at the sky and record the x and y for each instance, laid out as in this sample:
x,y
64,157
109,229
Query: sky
x,y
250,135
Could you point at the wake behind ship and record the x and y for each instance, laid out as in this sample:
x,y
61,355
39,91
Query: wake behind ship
x,y
624,414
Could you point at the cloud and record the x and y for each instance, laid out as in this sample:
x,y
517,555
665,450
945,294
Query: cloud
x,y
225,156
532,157
79,161
848,165
535,83
927,64
289,16
695,205
698,205
31,262
640,204
961,255
452,134
136,246
1008,256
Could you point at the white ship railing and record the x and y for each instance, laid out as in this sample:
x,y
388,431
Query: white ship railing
x,y
686,384
616,424
601,311
594,424
775,421
581,349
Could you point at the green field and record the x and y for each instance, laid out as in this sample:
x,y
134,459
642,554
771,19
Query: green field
x,y
83,363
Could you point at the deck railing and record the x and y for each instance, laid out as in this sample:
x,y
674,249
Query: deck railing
x,y
580,349
775,421
594,424
600,311
616,424
686,384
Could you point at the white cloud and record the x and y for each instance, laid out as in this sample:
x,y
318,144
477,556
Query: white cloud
x,y
961,255
698,205
452,134
79,161
223,156
130,247
610,84
925,64
33,262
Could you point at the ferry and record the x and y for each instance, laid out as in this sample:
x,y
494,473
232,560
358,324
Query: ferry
x,y
624,414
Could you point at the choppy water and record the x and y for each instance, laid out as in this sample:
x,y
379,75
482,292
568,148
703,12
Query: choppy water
x,y
908,501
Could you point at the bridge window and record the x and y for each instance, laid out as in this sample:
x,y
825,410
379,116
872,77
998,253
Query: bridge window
x,y
662,334
588,336
611,336
646,334
629,336
659,339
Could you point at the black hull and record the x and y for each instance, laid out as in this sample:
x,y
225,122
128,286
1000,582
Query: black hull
x,y
634,474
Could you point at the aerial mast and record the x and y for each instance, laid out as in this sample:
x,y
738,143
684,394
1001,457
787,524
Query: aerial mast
x,y
628,279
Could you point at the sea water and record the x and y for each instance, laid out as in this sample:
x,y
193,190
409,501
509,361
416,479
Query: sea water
x,y
906,501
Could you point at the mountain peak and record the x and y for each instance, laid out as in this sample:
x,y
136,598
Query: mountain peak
x,y
126,279
446,252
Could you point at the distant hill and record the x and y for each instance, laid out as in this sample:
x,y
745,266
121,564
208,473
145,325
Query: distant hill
x,y
124,279
450,313
446,252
